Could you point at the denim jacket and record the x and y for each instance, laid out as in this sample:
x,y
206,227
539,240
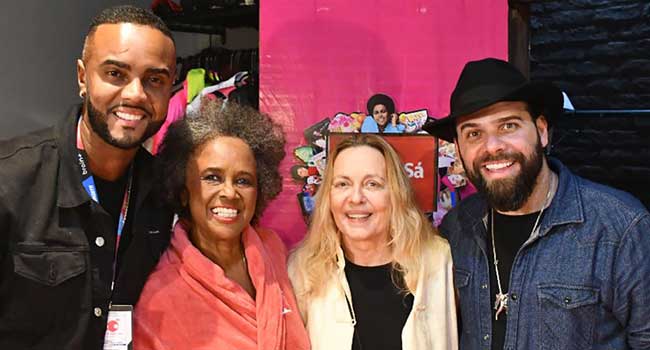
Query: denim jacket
x,y
581,281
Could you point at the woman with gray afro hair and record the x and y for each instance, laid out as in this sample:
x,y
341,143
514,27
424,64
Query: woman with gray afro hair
x,y
264,137
222,283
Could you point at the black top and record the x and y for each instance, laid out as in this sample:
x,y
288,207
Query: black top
x,y
380,307
55,271
510,233
111,198
111,194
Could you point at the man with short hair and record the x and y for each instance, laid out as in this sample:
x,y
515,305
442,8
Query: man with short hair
x,y
543,259
81,225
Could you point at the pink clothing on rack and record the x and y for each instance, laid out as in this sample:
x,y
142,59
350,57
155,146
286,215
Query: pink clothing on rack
x,y
189,303
175,111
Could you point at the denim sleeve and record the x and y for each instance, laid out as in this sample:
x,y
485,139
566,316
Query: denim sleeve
x,y
632,277
444,227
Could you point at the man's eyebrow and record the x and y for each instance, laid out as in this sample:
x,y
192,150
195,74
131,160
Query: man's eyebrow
x,y
119,64
500,120
163,71
468,125
508,118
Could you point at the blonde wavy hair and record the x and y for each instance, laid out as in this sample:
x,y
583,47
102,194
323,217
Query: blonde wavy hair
x,y
315,258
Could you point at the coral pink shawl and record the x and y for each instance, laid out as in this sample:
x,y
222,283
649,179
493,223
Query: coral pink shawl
x,y
189,303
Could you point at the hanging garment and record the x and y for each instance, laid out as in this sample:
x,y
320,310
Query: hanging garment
x,y
224,88
175,111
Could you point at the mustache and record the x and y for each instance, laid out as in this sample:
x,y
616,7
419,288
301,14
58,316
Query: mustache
x,y
499,157
147,112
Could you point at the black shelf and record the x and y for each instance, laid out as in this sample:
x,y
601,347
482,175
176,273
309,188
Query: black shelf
x,y
215,21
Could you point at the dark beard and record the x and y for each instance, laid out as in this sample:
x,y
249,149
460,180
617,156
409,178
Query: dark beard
x,y
508,194
99,124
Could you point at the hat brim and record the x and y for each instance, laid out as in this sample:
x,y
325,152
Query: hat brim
x,y
545,97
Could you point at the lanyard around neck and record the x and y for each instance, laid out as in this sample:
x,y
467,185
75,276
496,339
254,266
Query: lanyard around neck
x,y
88,183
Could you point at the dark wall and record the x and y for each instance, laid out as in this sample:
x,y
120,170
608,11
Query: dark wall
x,y
610,149
41,41
598,52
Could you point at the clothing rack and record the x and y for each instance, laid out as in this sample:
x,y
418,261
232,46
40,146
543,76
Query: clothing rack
x,y
214,17
223,61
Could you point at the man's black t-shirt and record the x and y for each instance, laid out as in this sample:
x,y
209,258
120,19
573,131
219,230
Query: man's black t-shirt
x,y
510,233
111,197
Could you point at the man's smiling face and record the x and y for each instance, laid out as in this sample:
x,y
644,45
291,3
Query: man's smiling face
x,y
126,76
501,147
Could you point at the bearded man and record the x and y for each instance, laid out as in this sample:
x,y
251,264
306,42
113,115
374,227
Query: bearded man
x,y
543,259
81,224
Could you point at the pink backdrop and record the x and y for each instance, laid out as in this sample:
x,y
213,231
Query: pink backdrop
x,y
319,57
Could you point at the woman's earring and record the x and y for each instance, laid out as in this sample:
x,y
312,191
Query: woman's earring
x,y
82,94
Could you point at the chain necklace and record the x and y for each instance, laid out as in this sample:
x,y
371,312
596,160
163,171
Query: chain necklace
x,y
501,300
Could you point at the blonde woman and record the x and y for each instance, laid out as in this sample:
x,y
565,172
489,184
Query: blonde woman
x,y
371,272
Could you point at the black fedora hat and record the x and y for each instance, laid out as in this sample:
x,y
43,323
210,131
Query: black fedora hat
x,y
488,81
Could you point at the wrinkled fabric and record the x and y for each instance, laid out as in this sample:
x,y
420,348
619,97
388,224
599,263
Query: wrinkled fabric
x,y
189,303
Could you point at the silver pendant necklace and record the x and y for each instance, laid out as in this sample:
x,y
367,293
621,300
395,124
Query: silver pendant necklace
x,y
501,299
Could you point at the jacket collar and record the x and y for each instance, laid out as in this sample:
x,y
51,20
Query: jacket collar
x,y
340,259
70,190
567,205
472,218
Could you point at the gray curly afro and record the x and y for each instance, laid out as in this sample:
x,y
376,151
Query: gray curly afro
x,y
264,136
